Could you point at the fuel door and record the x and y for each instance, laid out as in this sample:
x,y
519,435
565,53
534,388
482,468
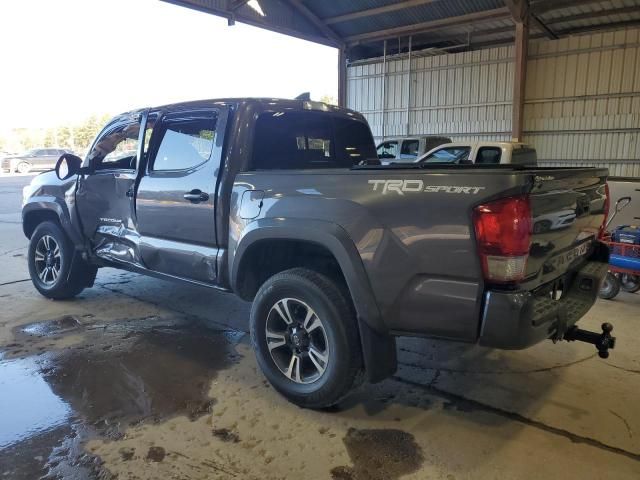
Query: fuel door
x,y
251,204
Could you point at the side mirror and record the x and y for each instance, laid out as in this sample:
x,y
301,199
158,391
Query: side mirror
x,y
67,166
622,203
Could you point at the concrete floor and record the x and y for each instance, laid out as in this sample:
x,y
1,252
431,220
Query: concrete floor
x,y
138,378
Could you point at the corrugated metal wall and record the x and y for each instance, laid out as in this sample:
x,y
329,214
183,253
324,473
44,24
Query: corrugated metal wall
x,y
463,95
582,102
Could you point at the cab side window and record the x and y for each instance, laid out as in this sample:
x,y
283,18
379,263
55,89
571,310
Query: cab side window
x,y
488,155
186,141
409,150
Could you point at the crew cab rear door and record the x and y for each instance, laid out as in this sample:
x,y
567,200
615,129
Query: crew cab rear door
x,y
175,200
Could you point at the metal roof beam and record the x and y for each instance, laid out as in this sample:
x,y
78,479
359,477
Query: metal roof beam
x,y
376,11
543,27
542,6
236,4
518,8
319,24
427,26
591,15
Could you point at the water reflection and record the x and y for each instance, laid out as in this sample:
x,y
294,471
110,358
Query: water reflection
x,y
28,406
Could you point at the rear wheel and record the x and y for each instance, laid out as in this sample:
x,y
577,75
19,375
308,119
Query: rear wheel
x,y
305,337
53,270
23,167
630,283
610,287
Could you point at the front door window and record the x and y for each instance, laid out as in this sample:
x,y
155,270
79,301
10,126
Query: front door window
x,y
116,149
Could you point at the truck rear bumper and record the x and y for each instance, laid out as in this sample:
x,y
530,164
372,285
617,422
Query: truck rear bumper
x,y
516,320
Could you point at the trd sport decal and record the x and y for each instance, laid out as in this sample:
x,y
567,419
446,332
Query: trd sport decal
x,y
402,186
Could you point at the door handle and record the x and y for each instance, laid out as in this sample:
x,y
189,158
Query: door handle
x,y
130,193
196,196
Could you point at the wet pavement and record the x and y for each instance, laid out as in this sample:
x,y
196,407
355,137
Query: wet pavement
x,y
69,380
142,379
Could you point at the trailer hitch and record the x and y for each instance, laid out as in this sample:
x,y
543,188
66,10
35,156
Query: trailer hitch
x,y
603,341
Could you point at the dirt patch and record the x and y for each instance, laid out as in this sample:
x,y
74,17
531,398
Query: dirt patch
x,y
379,454
156,454
226,435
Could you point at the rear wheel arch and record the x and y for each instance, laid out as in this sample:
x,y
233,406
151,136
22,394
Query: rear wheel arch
x,y
323,239
332,244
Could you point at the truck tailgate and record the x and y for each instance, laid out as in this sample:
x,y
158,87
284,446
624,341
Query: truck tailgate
x,y
568,208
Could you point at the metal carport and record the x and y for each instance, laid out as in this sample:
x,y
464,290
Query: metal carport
x,y
563,75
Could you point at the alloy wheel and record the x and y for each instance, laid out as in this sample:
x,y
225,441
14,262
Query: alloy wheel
x,y
47,260
297,340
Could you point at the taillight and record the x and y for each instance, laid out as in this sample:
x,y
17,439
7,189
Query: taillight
x,y
503,232
607,205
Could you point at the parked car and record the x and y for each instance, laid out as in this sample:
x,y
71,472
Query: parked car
x,y
36,159
407,149
482,153
275,201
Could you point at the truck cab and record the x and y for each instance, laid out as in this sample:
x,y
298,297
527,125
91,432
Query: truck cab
x,y
482,153
407,149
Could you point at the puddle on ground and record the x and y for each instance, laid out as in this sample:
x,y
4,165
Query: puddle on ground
x,y
120,374
383,454
56,326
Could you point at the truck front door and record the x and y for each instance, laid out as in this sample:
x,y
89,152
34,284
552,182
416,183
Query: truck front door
x,y
175,199
104,197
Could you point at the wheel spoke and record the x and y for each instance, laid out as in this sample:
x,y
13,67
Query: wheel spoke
x,y
39,257
54,273
45,240
293,371
312,322
318,359
275,340
56,252
43,274
282,307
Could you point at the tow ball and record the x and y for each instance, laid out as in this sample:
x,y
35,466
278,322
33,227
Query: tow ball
x,y
603,341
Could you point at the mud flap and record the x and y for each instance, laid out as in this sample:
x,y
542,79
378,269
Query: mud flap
x,y
378,353
80,266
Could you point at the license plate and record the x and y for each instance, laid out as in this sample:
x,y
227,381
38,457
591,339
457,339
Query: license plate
x,y
567,258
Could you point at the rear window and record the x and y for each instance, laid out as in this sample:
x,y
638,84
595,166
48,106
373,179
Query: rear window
x,y
524,156
309,140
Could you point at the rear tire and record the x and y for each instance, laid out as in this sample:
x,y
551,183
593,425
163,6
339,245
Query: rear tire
x,y
610,287
325,343
630,283
54,271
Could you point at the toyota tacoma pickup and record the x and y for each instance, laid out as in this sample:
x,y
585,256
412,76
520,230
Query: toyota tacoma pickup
x,y
284,203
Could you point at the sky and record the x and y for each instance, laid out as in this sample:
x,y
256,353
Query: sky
x,y
64,60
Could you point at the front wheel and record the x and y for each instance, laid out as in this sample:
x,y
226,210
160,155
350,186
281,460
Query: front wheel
x,y
610,287
305,336
52,268
630,283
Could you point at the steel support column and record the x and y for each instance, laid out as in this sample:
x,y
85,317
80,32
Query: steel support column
x,y
342,77
519,79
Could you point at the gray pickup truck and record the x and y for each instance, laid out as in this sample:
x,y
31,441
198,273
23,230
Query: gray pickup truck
x,y
285,203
